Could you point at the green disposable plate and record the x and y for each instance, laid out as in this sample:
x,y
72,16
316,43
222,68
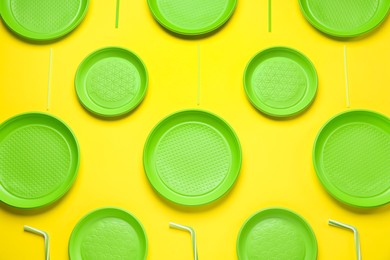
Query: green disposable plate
x,y
189,17
351,157
192,157
111,82
42,20
108,233
346,18
276,233
280,82
39,160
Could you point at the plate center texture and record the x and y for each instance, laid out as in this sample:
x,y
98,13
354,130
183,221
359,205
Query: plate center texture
x,y
113,82
343,14
193,158
279,82
275,238
193,14
35,160
45,16
356,158
110,238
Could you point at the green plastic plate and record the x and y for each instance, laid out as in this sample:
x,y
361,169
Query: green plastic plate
x,y
276,233
280,82
351,157
43,20
39,160
189,17
111,82
346,18
192,157
108,234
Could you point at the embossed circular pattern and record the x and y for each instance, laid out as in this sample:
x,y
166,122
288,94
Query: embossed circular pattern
x,y
197,148
280,82
347,18
111,82
276,234
108,233
352,158
39,160
43,19
190,17
192,157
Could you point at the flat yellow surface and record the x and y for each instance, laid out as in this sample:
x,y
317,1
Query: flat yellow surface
x,y
277,164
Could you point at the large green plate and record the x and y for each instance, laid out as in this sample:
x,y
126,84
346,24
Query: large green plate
x,y
276,233
280,82
189,17
111,82
192,157
43,19
345,18
351,157
39,160
108,234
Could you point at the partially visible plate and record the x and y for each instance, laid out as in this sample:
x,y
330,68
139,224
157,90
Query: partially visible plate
x,y
39,160
111,82
189,17
276,233
192,157
43,20
351,157
346,18
280,82
108,233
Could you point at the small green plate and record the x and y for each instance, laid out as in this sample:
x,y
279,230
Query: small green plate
x,y
192,157
280,82
351,157
189,17
276,233
39,160
346,18
43,20
108,233
111,82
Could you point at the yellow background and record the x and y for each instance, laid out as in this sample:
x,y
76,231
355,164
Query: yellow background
x,y
277,165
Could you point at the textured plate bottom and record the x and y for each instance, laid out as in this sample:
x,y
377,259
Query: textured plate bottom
x,y
111,81
276,234
186,156
41,158
352,158
38,159
43,19
192,14
280,82
345,18
192,17
58,14
192,157
108,233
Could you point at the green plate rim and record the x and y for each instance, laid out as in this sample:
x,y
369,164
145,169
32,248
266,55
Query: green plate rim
x,y
286,112
106,112
29,35
334,33
191,200
187,32
334,192
25,203
90,214
277,209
